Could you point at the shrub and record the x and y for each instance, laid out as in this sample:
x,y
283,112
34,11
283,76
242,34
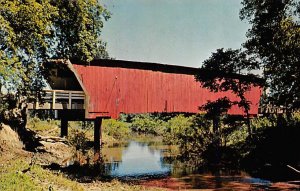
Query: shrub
x,y
174,127
274,145
79,142
117,129
148,124
263,122
194,140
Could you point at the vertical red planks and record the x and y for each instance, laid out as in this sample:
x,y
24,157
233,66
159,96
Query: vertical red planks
x,y
116,89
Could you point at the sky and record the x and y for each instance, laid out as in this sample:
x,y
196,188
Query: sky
x,y
177,32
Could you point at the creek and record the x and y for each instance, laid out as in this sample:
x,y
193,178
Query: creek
x,y
145,163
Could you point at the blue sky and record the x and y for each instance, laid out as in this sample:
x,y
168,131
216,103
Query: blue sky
x,y
180,32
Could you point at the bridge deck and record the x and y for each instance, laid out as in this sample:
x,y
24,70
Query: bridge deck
x,y
60,100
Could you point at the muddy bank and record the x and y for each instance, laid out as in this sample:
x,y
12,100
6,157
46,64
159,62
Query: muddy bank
x,y
213,183
10,145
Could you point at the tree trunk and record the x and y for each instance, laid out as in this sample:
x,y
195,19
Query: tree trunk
x,y
215,124
249,124
280,120
217,141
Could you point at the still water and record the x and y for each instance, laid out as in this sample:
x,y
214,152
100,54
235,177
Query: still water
x,y
145,163
135,160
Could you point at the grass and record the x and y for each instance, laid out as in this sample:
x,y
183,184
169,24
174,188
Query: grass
x,y
19,175
45,128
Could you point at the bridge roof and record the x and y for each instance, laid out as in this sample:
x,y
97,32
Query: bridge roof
x,y
166,68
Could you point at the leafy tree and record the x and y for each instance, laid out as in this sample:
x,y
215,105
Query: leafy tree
x,y
117,129
78,29
32,31
274,38
214,110
148,124
174,127
194,140
224,71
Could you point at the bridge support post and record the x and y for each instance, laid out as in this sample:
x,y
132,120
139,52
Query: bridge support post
x,y
97,139
64,127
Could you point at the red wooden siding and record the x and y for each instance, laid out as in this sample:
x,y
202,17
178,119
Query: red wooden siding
x,y
117,89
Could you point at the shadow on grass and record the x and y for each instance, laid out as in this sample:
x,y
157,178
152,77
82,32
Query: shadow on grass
x,y
88,173
29,138
83,173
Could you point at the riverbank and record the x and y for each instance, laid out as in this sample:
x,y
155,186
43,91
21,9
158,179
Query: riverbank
x,y
66,164
23,170
21,175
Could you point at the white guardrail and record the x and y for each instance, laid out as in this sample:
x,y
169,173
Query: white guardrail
x,y
60,99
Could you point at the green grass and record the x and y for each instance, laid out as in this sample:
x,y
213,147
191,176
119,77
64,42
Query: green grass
x,y
19,175
46,128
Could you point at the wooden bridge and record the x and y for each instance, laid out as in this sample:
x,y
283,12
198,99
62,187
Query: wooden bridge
x,y
106,88
61,99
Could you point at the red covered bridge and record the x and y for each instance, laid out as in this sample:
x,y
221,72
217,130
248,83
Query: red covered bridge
x,y
106,88
118,87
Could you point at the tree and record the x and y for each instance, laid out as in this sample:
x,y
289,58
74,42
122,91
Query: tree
x,y
274,38
229,70
214,110
78,29
32,31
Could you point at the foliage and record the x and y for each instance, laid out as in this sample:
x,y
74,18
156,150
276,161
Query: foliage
x,y
296,116
216,108
274,39
24,30
234,136
194,139
174,127
117,129
223,73
79,140
258,123
224,69
273,145
78,28
230,145
145,123
199,144
33,31
11,109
